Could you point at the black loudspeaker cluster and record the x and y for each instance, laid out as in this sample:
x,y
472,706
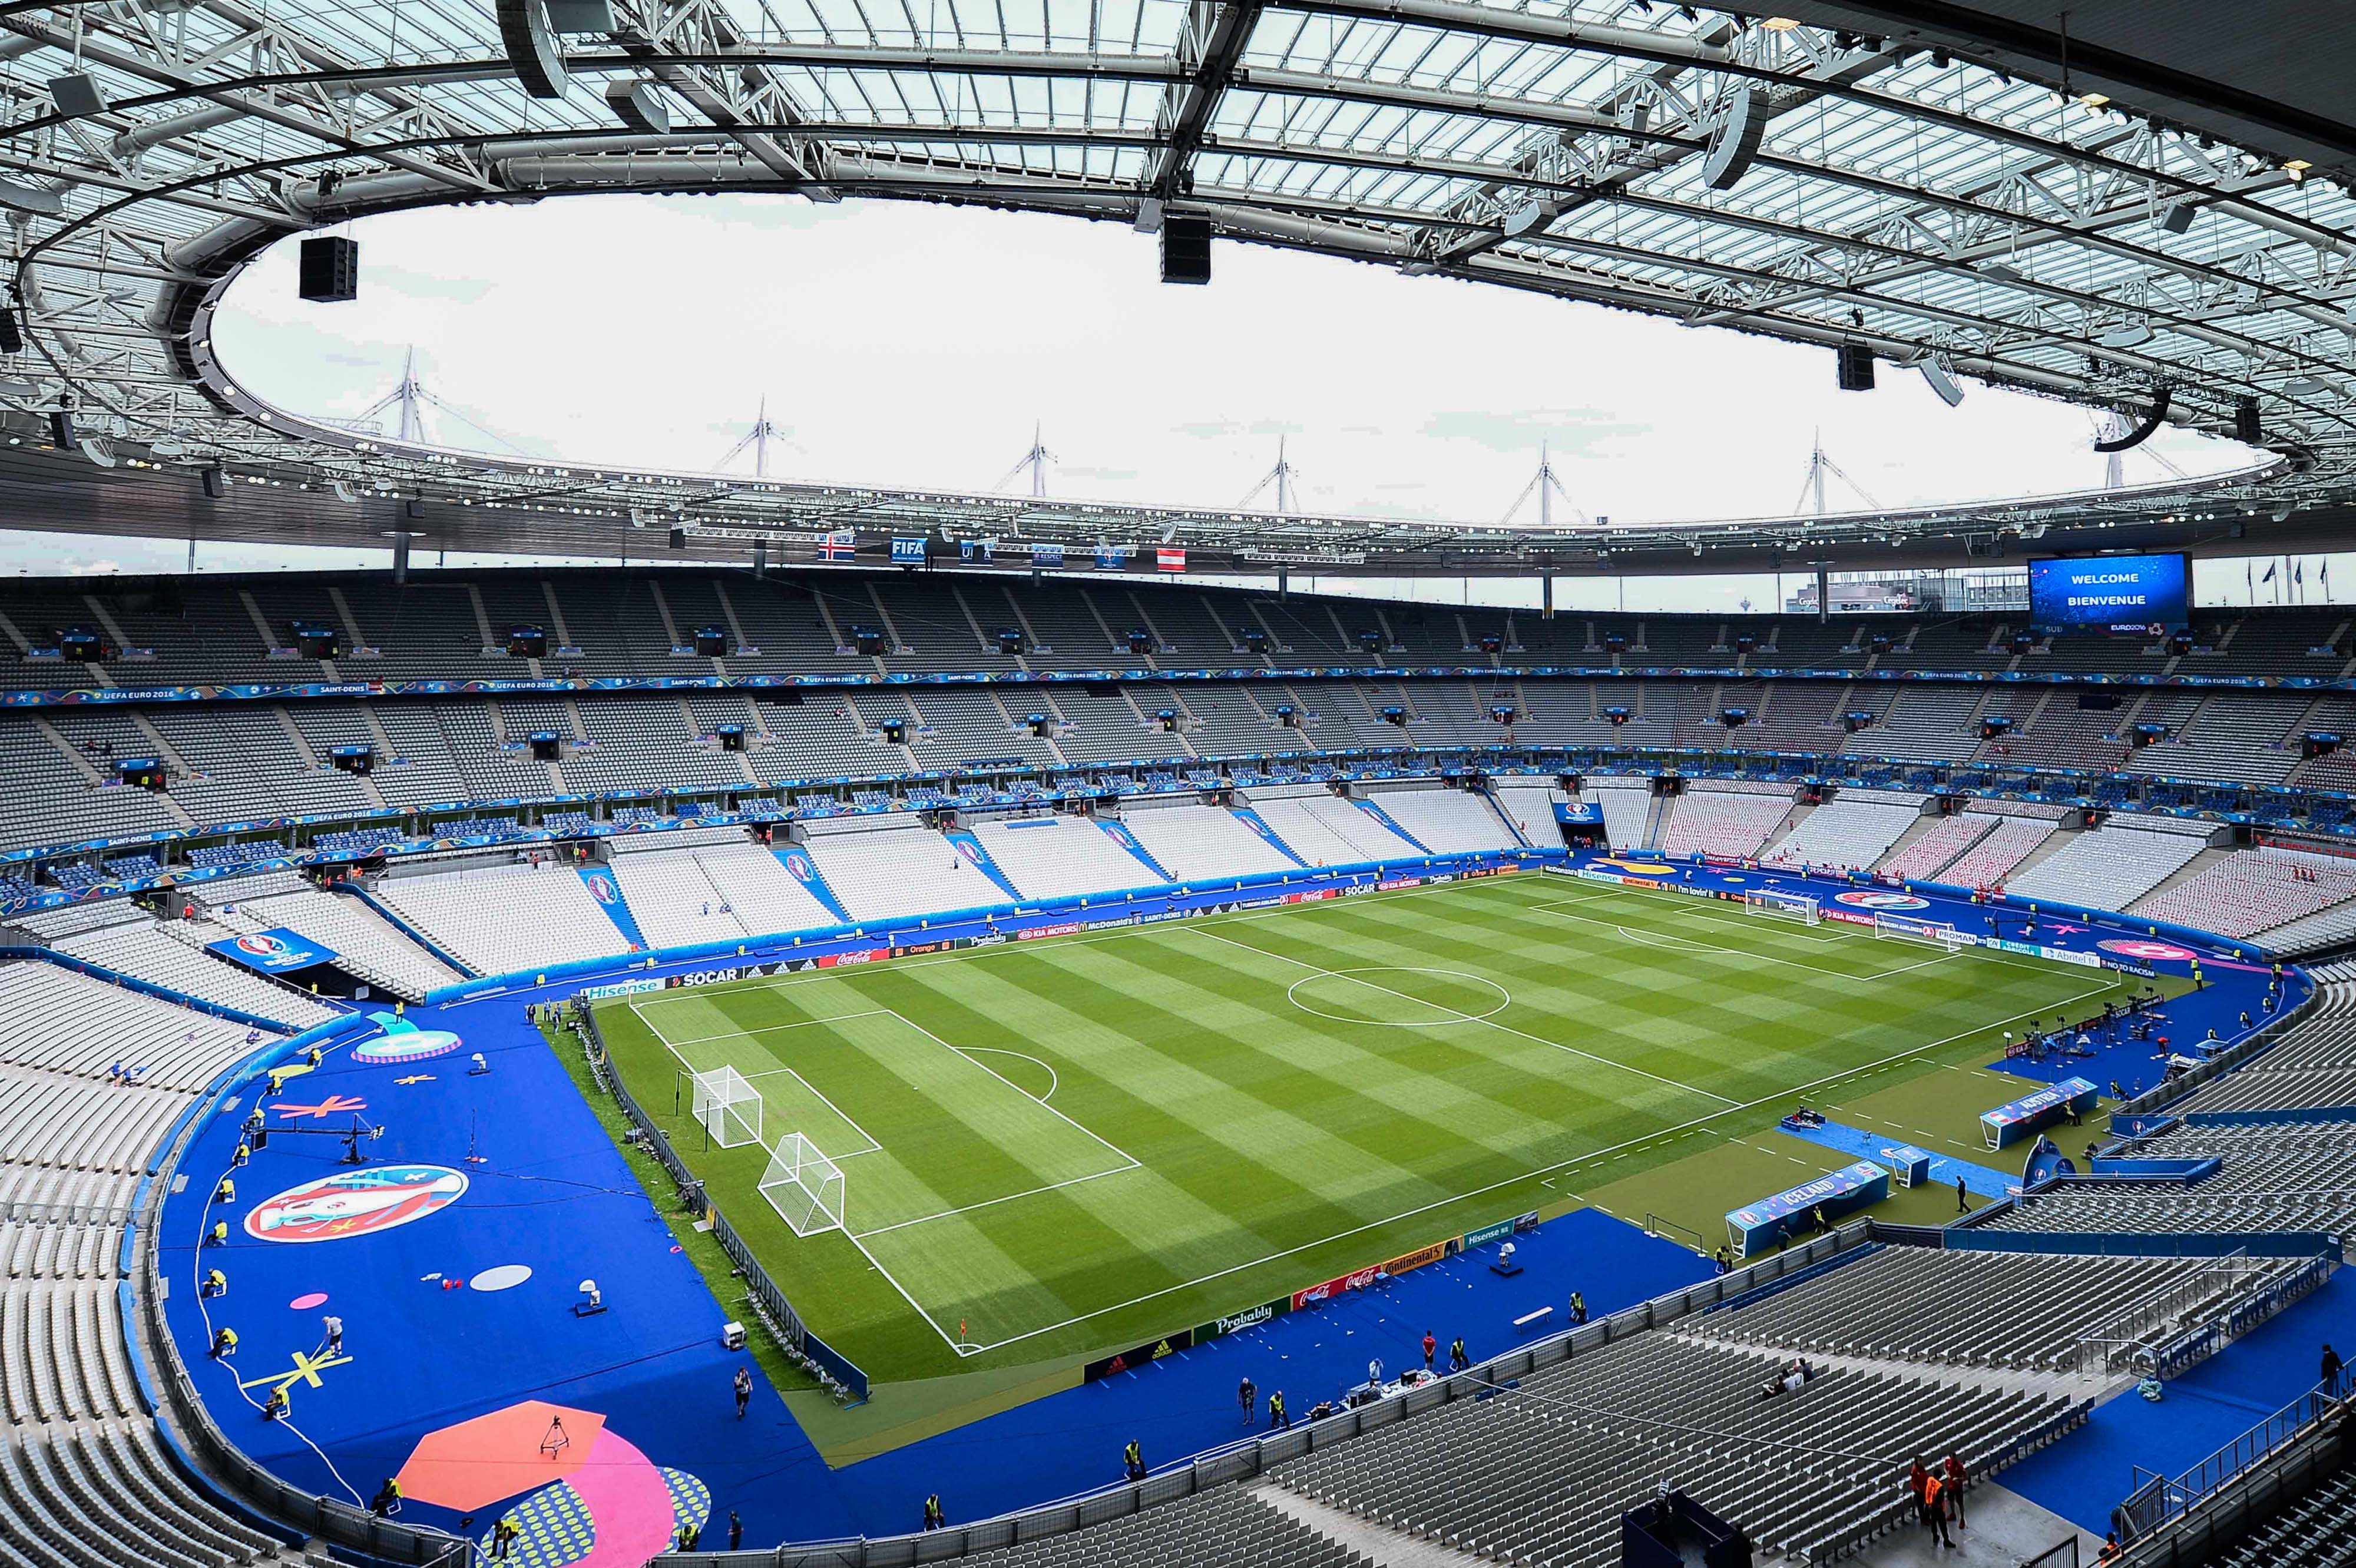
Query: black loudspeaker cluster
x,y
329,269
1856,368
1185,249
12,341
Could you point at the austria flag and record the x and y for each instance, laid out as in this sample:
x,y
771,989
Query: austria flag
x,y
1170,559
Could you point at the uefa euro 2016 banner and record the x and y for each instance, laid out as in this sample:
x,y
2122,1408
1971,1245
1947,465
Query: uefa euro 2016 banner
x,y
273,951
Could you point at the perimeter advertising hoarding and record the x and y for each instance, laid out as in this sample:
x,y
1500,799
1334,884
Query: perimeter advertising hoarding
x,y
1137,1356
2111,593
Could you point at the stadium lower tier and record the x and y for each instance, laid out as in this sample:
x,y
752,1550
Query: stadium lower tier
x,y
1300,1176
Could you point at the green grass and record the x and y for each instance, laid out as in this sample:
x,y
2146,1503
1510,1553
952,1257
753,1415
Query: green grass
x,y
1054,1148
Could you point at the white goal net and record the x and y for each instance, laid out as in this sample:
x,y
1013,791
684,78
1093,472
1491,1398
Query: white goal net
x,y
728,1107
1907,928
804,1187
1784,907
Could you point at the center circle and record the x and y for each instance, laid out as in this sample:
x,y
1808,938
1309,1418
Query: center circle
x,y
1364,996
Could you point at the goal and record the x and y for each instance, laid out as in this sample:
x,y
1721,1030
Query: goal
x,y
1784,905
804,1187
728,1107
1908,928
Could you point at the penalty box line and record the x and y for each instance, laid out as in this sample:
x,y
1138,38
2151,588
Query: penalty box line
x,y
859,1237
1658,1136
1714,909
1671,943
1128,1161
679,1056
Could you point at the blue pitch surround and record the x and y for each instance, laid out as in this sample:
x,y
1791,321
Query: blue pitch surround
x,y
2086,1474
546,1190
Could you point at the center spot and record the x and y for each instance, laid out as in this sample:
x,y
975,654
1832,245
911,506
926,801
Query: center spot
x,y
1399,996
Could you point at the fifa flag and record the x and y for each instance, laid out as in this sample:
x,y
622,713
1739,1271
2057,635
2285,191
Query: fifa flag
x,y
1170,559
841,545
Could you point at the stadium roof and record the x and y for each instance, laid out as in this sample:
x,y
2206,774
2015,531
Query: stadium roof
x,y
2153,213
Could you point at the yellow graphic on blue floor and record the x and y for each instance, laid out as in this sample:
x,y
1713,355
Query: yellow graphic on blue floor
x,y
306,1370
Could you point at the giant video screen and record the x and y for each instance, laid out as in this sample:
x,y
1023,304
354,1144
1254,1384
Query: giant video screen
x,y
2111,593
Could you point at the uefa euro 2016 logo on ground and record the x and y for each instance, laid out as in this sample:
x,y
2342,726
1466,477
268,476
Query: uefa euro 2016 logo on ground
x,y
354,1203
799,864
404,1042
601,888
2136,947
263,947
1865,899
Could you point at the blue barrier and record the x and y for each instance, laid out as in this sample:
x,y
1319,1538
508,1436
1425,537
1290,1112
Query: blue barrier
x,y
2179,1173
845,1371
126,1307
2302,1115
1964,1238
1784,1283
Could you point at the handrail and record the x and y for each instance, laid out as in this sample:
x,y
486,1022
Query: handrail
x,y
2127,1331
2154,1502
1251,1456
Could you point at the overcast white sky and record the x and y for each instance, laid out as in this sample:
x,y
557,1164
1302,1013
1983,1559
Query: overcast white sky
x,y
909,344
912,345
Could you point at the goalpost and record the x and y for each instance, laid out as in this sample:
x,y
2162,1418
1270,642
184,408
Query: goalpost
x,y
804,1187
728,1107
1784,905
1909,929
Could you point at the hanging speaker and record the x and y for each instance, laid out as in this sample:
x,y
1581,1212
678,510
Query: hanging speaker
x,y
637,105
679,539
2142,432
1185,249
1735,141
216,483
1940,382
329,269
531,48
61,430
1856,368
2248,430
12,341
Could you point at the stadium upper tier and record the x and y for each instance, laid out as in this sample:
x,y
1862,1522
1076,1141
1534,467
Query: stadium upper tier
x,y
338,714
1944,195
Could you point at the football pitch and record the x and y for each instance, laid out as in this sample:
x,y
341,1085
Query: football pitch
x,y
1050,1148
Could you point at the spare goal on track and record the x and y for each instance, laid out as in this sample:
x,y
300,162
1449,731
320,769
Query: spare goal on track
x,y
1784,905
1907,927
728,1107
804,1187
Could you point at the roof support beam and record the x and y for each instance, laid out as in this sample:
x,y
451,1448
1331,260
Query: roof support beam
x,y
1216,34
